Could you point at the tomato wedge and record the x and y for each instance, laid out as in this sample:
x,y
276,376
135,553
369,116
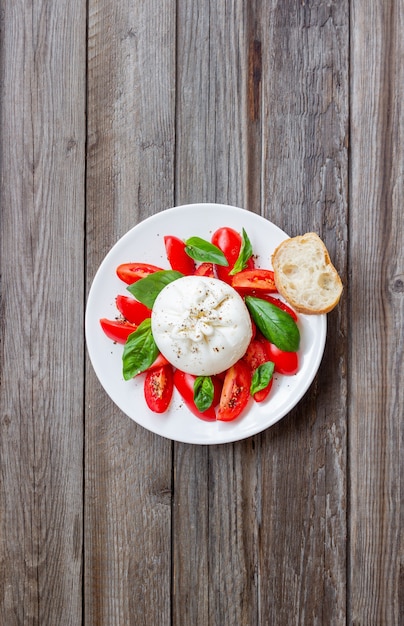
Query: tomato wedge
x,y
256,355
205,269
236,391
285,362
160,360
158,388
255,280
177,257
129,273
229,241
131,309
117,330
261,395
184,384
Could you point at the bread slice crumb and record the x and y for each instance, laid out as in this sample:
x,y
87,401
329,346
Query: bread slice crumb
x,y
305,276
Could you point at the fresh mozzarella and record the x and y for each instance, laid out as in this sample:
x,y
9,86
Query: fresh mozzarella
x,y
201,325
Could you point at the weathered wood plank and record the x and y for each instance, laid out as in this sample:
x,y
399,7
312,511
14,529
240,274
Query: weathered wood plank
x,y
377,314
323,517
130,175
215,529
242,103
212,75
303,468
41,254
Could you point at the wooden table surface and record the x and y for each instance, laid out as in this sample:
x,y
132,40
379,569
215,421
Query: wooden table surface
x,y
111,111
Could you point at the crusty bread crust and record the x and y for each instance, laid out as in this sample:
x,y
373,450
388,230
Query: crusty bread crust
x,y
305,276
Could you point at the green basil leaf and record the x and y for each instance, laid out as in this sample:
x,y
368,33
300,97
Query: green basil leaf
x,y
245,253
204,251
147,289
140,350
261,377
203,393
276,325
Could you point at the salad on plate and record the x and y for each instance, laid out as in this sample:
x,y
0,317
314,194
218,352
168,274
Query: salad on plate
x,y
212,328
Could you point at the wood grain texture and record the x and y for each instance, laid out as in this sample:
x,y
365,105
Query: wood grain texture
x,y
253,529
215,530
303,459
211,139
377,315
111,112
130,165
42,214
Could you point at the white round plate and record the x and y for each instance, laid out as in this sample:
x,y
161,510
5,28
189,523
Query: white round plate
x,y
145,243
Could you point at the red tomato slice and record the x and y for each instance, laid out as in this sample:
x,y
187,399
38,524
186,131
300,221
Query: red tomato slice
x,y
260,396
158,388
117,330
160,360
177,257
132,310
256,354
184,383
132,272
252,281
235,393
285,362
279,303
205,269
229,241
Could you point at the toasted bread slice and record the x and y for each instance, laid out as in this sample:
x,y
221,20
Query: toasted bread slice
x,y
305,276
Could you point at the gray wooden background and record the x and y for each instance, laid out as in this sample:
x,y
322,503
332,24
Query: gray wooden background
x,y
113,110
